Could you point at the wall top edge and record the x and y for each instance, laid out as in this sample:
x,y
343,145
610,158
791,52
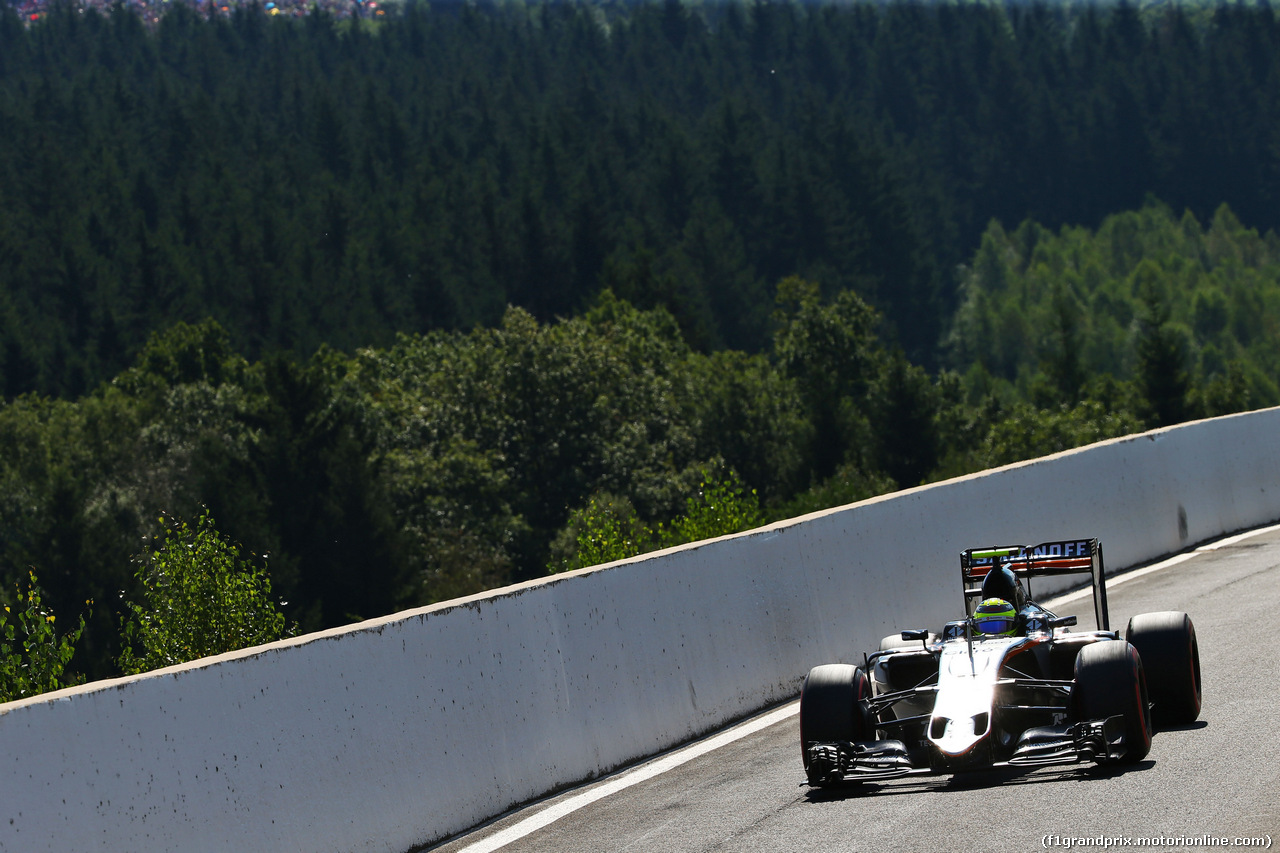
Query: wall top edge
x,y
474,602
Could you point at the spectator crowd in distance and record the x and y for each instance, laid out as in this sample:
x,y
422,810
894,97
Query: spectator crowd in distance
x,y
151,11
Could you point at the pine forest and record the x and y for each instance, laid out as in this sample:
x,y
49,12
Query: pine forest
x,y
431,304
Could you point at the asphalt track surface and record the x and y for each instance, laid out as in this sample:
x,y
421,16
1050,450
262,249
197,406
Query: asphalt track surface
x,y
1216,779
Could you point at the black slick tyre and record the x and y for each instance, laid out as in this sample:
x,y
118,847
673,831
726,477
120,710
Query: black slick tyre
x,y
1171,658
1109,681
832,710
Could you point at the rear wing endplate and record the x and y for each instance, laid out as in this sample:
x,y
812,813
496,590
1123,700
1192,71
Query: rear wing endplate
x,y
1067,557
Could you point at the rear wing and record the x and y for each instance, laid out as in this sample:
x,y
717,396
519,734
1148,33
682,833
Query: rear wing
x,y
1068,557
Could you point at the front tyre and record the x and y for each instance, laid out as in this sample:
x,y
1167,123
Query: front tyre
x,y
1171,657
832,710
1109,680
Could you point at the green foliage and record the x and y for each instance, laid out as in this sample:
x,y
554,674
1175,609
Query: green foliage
x,y
723,504
1025,432
608,528
904,406
849,484
184,354
832,353
605,530
485,439
68,474
1149,298
454,462
1226,392
753,417
1062,361
384,399
529,154
200,598
1161,351
33,657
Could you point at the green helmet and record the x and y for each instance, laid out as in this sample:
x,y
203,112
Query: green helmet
x,y
995,617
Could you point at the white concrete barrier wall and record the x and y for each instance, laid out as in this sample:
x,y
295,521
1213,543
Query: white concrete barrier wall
x,y
398,732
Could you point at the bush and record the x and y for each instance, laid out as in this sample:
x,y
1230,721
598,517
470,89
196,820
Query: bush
x,y
609,528
722,505
200,598
606,529
33,658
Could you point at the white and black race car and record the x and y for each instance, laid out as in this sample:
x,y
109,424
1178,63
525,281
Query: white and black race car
x,y
1039,694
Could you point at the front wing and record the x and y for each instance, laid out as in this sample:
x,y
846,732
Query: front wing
x,y
1097,741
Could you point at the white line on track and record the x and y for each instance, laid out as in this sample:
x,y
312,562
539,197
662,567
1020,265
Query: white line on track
x,y
554,812
1113,582
643,773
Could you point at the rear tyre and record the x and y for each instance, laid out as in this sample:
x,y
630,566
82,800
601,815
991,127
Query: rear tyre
x,y
1108,681
1171,657
832,710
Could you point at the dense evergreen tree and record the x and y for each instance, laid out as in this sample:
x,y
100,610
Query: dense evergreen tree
x,y
337,182
451,462
402,303
1150,298
1162,376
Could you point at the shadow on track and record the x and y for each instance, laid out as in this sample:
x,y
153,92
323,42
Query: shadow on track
x,y
1189,727
994,777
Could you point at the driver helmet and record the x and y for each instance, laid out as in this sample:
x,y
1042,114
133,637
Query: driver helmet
x,y
995,617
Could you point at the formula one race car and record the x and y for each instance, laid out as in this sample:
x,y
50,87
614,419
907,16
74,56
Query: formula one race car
x,y
1008,685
